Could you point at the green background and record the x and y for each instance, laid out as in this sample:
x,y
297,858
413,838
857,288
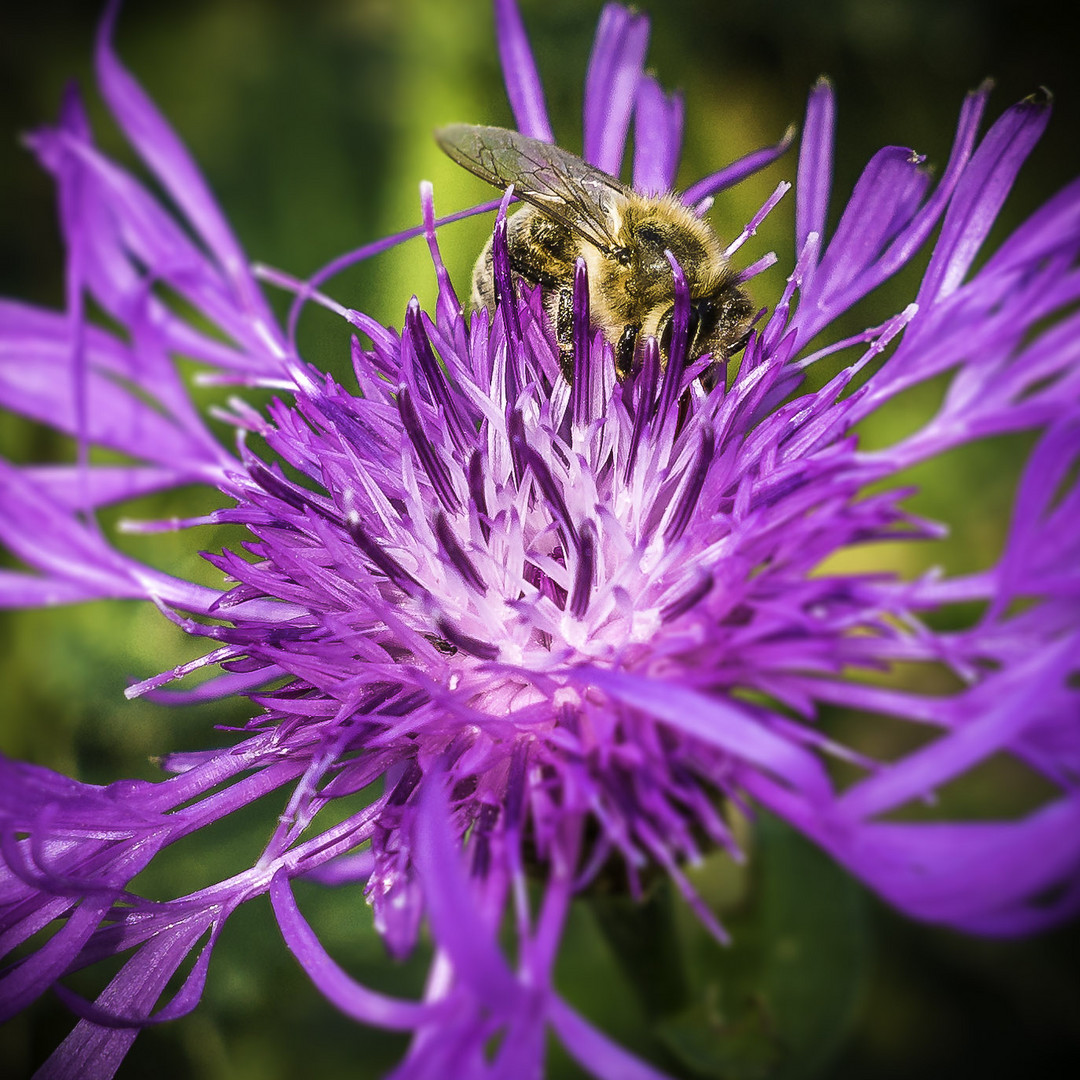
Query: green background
x,y
312,122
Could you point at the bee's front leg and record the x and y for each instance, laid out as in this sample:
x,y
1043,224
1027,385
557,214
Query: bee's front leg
x,y
624,351
564,330
564,335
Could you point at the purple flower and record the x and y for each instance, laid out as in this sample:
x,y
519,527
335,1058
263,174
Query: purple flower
x,y
560,622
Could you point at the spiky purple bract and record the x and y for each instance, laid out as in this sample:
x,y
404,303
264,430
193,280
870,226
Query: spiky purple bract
x,y
560,624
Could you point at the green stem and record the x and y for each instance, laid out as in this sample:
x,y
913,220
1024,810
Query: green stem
x,y
645,941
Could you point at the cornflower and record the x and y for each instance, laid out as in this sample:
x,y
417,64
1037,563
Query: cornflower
x,y
559,625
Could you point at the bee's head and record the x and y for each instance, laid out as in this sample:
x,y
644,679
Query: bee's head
x,y
717,323
700,324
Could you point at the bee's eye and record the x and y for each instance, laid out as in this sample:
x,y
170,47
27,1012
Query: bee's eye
x,y
650,236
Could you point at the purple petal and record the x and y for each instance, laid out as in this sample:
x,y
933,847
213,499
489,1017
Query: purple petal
x,y
183,1002
956,873
986,181
815,166
1055,223
616,66
37,380
117,229
1007,711
884,201
912,237
1045,516
23,590
658,125
92,1052
74,488
27,980
452,906
523,86
49,539
737,171
594,1051
715,721
353,999
964,875
170,162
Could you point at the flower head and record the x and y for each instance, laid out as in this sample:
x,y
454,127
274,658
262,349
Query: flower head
x,y
563,622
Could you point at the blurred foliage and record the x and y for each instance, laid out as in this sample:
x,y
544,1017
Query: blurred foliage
x,y
312,123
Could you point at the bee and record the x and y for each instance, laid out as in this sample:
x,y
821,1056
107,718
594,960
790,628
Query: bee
x,y
575,210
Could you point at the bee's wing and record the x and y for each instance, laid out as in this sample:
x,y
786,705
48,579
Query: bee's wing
x,y
562,186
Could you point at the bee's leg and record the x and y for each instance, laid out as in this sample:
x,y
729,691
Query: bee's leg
x,y
564,330
712,375
716,372
624,352
738,345
483,281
